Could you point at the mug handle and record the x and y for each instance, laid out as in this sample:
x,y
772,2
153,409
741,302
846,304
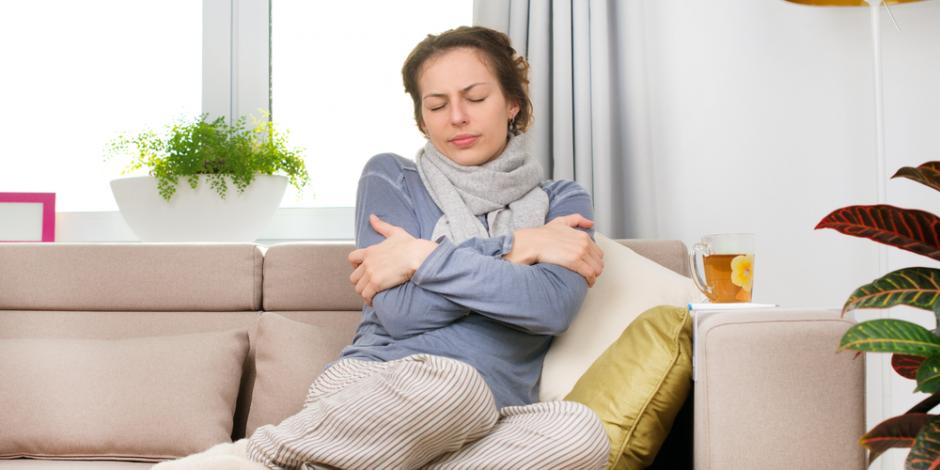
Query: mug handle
x,y
699,249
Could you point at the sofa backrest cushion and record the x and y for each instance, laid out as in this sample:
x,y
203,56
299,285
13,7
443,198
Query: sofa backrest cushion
x,y
630,285
315,275
145,398
309,276
671,254
132,276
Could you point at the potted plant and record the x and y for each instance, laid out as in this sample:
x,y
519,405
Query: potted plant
x,y
915,350
212,157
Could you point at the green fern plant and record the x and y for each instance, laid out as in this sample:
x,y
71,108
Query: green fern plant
x,y
915,350
225,153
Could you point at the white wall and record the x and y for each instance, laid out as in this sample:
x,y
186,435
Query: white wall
x,y
762,120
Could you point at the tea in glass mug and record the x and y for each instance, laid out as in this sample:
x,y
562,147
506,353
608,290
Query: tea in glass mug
x,y
728,262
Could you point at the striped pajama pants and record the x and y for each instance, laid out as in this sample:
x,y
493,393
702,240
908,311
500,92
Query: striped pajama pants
x,y
425,411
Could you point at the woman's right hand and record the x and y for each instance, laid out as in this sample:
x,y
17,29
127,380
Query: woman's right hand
x,y
559,242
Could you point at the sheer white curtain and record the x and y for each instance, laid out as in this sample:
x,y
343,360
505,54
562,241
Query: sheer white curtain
x,y
587,88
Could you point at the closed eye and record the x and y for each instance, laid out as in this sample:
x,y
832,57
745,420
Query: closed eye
x,y
472,100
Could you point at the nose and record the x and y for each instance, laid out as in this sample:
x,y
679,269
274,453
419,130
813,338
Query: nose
x,y
458,114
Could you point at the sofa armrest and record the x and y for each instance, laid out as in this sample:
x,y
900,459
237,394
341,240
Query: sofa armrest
x,y
772,392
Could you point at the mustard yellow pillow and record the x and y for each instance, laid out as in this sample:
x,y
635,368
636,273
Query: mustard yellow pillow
x,y
638,385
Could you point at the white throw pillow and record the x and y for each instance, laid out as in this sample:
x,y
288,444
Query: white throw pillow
x,y
630,285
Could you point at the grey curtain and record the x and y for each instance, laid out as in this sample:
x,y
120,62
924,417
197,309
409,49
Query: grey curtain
x,y
585,75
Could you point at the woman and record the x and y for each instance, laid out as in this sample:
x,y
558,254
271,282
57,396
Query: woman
x,y
465,285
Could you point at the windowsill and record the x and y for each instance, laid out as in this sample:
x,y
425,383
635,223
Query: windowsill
x,y
288,224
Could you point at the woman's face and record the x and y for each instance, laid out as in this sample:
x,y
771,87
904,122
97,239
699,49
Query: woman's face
x,y
463,110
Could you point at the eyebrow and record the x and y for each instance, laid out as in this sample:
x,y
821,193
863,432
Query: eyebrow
x,y
444,95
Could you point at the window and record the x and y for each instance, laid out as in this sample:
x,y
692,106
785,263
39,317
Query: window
x,y
336,84
76,74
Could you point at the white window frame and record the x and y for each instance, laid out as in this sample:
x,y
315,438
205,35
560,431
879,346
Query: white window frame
x,y
236,79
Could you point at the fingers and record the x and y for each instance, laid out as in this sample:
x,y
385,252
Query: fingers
x,y
586,271
356,257
574,221
356,275
594,257
366,289
367,295
382,227
361,286
583,222
597,257
365,283
564,219
596,265
597,250
588,258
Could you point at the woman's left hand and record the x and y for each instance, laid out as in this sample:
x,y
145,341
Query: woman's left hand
x,y
389,263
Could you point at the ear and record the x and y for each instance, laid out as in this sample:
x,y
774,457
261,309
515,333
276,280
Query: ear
x,y
513,110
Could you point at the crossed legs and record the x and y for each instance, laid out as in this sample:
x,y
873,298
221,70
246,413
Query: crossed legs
x,y
422,411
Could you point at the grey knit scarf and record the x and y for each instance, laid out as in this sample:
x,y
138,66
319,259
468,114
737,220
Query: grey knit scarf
x,y
506,189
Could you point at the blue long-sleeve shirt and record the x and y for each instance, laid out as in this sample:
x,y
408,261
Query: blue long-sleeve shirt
x,y
465,301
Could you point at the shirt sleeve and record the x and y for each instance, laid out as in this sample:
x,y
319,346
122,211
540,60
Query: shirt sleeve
x,y
540,299
404,310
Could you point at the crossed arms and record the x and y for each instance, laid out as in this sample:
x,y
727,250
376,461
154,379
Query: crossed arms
x,y
534,280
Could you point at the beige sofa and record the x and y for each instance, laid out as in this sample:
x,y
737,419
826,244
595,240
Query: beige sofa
x,y
771,392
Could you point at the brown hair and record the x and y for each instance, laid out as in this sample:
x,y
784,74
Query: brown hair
x,y
511,69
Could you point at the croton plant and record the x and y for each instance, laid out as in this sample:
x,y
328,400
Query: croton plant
x,y
915,350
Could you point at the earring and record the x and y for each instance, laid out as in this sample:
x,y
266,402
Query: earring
x,y
512,126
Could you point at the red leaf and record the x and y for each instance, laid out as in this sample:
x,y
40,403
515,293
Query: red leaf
x,y
927,174
898,431
906,365
926,405
908,229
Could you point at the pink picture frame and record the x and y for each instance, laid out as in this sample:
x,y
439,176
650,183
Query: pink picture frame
x,y
8,201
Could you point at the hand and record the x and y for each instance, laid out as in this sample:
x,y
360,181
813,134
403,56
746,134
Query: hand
x,y
559,242
389,263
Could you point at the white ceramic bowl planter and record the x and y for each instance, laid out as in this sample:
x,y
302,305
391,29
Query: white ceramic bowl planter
x,y
198,215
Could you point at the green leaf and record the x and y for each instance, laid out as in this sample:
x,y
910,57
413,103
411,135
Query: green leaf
x,y
914,287
927,174
906,366
891,335
925,453
899,431
908,229
928,375
936,314
228,153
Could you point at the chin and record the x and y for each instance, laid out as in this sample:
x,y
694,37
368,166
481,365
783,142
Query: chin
x,y
469,160
474,160
464,157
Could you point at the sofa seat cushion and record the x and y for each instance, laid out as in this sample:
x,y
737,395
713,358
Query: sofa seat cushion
x,y
146,398
289,355
32,464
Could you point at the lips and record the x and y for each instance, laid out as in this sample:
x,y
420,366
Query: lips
x,y
463,141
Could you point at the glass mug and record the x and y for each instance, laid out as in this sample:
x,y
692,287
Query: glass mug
x,y
728,261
